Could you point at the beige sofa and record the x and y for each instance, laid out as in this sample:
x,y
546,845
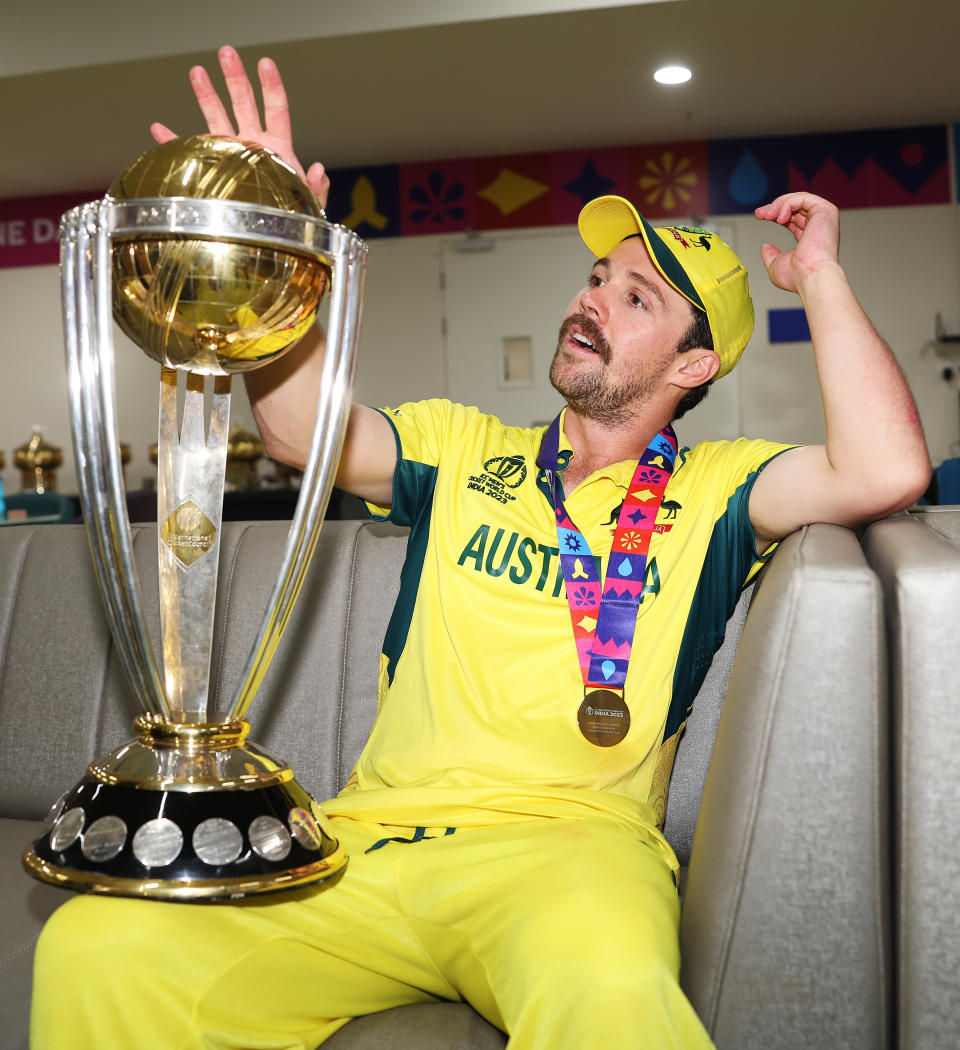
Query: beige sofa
x,y
917,557
786,919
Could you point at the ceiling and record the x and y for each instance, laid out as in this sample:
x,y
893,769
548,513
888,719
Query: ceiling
x,y
383,81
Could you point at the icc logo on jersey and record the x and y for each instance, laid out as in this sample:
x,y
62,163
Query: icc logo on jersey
x,y
511,470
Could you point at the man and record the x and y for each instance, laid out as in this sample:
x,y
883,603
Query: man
x,y
564,591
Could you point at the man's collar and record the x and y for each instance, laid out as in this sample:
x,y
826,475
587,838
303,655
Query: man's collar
x,y
620,473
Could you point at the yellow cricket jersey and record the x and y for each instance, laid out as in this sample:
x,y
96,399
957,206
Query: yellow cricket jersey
x,y
480,684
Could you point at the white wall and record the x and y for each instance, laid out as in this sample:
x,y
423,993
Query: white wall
x,y
903,262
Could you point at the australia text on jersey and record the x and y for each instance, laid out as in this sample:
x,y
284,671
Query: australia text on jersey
x,y
522,560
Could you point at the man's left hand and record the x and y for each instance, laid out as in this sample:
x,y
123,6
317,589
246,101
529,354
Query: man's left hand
x,y
815,223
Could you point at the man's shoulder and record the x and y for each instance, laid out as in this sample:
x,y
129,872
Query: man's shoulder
x,y
733,460
443,411
445,432
729,448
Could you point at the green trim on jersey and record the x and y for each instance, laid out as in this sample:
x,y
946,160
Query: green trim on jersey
x,y
733,541
725,566
413,485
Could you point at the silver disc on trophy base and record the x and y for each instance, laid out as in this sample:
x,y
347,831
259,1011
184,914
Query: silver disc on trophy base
x,y
104,839
213,257
217,841
66,830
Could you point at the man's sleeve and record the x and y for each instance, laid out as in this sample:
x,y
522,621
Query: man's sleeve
x,y
744,461
424,432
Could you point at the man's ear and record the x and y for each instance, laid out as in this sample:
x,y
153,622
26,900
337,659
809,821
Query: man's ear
x,y
696,367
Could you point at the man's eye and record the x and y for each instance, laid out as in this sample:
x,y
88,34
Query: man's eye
x,y
594,280
635,300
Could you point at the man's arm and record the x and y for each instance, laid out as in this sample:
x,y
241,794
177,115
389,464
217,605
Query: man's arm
x,y
285,393
284,396
875,459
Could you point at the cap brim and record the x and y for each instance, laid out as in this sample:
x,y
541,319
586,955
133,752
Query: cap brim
x,y
606,221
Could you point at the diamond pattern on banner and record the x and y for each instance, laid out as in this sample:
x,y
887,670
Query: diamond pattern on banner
x,y
513,191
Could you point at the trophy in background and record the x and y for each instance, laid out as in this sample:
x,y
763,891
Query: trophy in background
x,y
243,451
213,257
38,460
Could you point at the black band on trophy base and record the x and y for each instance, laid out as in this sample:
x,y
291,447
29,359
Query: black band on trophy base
x,y
603,717
183,839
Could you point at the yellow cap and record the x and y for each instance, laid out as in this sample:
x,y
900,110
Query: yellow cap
x,y
697,263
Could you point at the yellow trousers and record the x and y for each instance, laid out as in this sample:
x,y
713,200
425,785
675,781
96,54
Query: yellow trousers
x,y
561,933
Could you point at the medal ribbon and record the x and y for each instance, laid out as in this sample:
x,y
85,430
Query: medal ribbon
x,y
604,616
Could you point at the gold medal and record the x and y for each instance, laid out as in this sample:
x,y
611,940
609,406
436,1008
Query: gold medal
x,y
604,717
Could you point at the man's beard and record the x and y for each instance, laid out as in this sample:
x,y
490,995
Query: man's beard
x,y
590,393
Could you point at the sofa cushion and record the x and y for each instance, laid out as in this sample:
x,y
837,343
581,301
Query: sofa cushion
x,y
423,1026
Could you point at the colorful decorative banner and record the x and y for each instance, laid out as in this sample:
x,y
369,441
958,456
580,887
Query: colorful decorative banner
x,y
863,169
367,200
674,180
670,181
437,198
577,176
513,191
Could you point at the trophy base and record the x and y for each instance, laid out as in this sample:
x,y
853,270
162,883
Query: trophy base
x,y
187,812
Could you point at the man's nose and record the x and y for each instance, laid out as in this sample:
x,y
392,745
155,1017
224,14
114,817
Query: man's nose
x,y
593,301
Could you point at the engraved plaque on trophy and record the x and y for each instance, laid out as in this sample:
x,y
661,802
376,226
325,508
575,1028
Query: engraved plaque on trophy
x,y
213,257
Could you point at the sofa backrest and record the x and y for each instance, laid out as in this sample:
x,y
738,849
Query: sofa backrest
x,y
917,557
785,929
64,698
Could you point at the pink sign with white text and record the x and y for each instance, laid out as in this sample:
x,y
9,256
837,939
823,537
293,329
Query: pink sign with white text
x,y
29,228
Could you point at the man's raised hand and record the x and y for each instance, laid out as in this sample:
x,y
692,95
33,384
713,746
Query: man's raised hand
x,y
273,132
815,223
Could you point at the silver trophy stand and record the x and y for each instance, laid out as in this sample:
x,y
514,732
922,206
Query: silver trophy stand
x,y
190,809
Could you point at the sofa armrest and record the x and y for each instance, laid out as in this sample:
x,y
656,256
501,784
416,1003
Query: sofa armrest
x,y
917,558
785,926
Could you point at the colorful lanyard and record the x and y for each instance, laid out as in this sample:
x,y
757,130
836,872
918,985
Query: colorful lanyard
x,y
604,616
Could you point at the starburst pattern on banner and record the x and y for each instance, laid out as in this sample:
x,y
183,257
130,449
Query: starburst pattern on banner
x,y
669,181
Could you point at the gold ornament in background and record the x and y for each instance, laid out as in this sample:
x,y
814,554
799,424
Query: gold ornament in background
x,y
243,451
214,306
38,461
125,456
3,462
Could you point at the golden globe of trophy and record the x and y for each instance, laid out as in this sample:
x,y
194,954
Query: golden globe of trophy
x,y
213,257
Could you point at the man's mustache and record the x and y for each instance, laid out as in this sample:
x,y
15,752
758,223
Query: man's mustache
x,y
590,330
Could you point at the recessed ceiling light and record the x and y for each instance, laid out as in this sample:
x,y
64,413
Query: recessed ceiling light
x,y
672,75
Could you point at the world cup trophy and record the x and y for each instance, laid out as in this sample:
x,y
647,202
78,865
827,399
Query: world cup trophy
x,y
213,257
